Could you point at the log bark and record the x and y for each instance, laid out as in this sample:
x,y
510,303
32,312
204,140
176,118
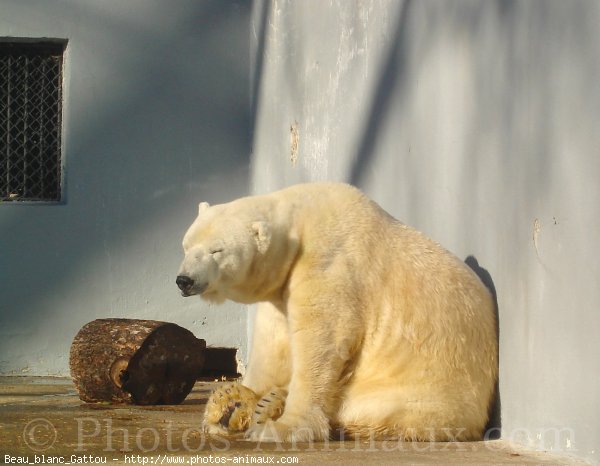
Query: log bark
x,y
135,361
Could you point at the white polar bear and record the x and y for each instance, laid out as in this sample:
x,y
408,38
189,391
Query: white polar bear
x,y
364,324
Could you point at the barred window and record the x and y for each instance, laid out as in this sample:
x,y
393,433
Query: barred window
x,y
30,119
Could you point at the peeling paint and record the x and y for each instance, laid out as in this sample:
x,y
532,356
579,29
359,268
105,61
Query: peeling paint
x,y
537,228
294,142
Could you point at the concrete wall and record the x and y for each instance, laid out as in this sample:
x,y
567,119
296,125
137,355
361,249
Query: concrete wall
x,y
156,118
477,122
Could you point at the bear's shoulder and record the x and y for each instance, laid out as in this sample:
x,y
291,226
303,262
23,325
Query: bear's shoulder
x,y
319,195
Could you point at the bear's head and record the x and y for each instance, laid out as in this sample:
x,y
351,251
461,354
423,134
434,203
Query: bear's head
x,y
221,248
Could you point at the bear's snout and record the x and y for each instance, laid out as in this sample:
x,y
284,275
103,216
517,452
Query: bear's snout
x,y
186,285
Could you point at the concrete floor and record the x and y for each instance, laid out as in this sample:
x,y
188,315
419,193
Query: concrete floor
x,y
42,420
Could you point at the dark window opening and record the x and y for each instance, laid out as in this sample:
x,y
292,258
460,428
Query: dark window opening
x,y
30,119
220,364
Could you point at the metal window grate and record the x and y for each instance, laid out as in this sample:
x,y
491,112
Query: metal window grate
x,y
30,120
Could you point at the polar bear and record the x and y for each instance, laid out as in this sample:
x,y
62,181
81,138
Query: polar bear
x,y
364,325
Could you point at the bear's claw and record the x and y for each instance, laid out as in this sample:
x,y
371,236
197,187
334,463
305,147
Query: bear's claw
x,y
270,406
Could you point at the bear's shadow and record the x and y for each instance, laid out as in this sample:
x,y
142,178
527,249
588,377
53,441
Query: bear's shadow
x,y
493,427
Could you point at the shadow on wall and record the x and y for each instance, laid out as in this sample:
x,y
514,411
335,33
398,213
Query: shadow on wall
x,y
494,425
391,76
157,117
263,8
500,43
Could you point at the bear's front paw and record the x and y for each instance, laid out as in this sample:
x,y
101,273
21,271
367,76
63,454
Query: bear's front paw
x,y
270,406
229,409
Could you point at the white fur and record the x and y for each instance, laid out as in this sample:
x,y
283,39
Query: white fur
x,y
369,325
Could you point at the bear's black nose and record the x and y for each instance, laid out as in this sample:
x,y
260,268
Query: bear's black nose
x,y
184,282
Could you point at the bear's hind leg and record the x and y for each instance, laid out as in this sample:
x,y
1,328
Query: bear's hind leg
x,y
410,414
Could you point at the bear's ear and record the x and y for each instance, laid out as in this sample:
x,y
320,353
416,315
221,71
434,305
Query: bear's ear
x,y
202,207
262,233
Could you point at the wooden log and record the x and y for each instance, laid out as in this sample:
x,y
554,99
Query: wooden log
x,y
135,361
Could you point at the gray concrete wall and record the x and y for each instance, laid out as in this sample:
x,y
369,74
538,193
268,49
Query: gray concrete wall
x,y
156,118
478,123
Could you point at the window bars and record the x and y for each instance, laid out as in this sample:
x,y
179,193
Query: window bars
x,y
30,120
